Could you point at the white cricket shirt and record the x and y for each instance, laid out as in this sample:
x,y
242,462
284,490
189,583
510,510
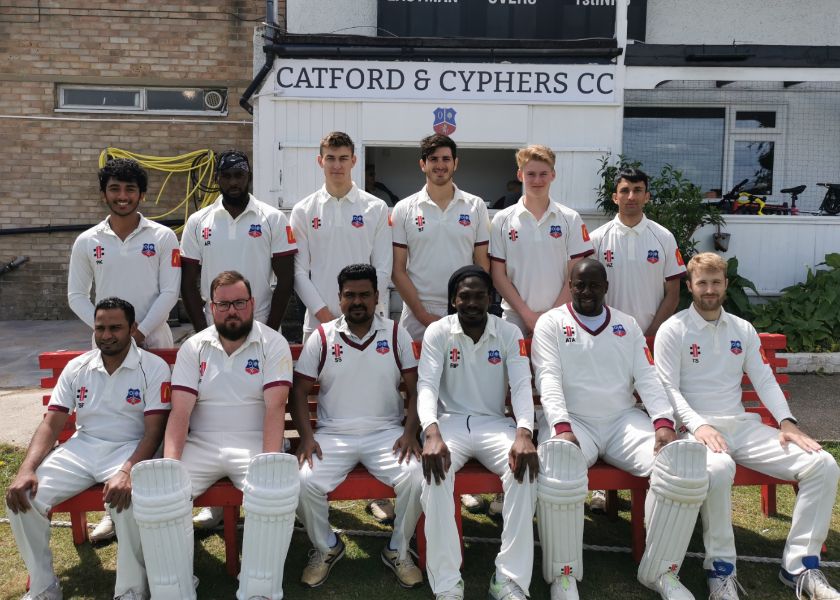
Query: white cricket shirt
x,y
333,233
218,242
639,260
592,374
459,376
359,378
145,270
536,253
439,242
701,365
111,407
230,388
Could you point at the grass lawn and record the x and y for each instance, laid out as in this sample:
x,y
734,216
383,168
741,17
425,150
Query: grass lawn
x,y
88,573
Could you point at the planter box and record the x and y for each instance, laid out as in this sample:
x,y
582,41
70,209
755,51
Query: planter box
x,y
811,362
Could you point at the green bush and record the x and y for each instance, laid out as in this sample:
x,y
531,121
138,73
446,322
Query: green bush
x,y
807,313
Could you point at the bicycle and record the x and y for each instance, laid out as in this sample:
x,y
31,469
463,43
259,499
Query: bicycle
x,y
831,202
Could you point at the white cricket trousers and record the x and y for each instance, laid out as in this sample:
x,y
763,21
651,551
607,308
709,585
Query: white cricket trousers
x,y
212,455
414,327
72,467
757,446
341,453
487,439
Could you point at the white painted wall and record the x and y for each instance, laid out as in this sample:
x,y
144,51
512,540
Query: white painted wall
x,y
351,17
786,22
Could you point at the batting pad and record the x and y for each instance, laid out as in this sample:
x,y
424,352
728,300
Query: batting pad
x,y
679,483
270,495
561,491
161,495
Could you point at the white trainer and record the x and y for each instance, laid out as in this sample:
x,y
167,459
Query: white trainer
x,y
456,593
598,502
810,584
564,588
670,588
131,595
505,591
722,582
103,531
208,517
51,593
472,503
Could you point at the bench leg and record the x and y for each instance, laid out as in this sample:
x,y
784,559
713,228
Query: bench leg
x,y
612,503
637,522
231,516
768,500
78,524
420,532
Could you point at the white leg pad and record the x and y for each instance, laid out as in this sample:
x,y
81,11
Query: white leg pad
x,y
161,496
271,491
678,484
561,492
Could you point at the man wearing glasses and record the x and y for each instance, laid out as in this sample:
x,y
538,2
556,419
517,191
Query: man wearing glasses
x,y
230,386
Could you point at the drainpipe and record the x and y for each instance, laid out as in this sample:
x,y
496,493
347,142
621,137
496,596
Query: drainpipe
x,y
271,25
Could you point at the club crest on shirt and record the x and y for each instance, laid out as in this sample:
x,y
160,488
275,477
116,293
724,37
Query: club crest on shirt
x,y
148,250
98,253
513,235
454,358
255,231
653,256
555,231
420,221
336,352
252,367
494,357
316,223
382,347
358,221
569,332
464,220
133,396
735,347
205,235
619,330
694,351
81,396
609,255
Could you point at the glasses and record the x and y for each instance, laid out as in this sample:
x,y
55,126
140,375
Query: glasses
x,y
224,305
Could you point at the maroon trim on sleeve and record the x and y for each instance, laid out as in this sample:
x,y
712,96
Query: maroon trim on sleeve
x,y
281,382
484,243
659,423
57,408
286,253
398,245
497,259
183,388
409,370
157,411
583,254
190,260
323,360
306,377
677,276
562,427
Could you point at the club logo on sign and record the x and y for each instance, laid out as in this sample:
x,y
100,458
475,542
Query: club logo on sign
x,y
382,347
735,347
653,256
494,357
255,231
148,250
252,367
133,396
444,122
619,330
358,221
555,231
464,220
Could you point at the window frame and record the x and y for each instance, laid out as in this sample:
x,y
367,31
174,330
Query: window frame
x,y
142,107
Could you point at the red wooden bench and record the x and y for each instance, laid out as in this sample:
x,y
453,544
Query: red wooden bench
x,y
472,479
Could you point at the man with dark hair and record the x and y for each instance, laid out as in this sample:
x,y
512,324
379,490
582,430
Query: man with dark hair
x,y
120,395
338,225
358,359
587,359
241,233
230,386
468,356
377,188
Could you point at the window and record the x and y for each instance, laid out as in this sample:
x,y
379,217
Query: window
x,y
195,101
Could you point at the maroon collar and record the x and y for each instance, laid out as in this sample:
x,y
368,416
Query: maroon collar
x,y
353,344
584,327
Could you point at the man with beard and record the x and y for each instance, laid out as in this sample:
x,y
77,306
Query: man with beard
x,y
587,359
467,361
358,360
120,395
230,386
701,354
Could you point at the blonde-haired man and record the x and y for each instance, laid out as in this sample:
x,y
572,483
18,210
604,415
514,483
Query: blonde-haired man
x,y
701,354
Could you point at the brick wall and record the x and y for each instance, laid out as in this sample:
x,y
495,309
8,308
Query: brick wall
x,y
52,177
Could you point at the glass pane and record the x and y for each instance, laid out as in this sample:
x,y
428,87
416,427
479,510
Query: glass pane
x,y
754,119
754,162
689,139
174,99
100,97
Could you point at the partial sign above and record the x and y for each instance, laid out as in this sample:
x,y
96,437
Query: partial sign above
x,y
578,84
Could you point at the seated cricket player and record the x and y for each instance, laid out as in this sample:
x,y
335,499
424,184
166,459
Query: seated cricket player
x,y
230,385
468,358
588,358
358,360
701,354
120,395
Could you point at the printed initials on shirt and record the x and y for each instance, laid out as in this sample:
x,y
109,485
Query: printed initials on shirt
x,y
81,396
609,255
569,331
98,253
694,350
420,222
454,358
336,352
205,235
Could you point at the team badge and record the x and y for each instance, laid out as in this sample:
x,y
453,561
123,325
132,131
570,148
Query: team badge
x,y
316,223
513,235
653,256
420,221
680,260
176,257
735,347
290,235
464,220
454,357
336,352
609,256
694,351
148,250
584,232
98,253
444,122
619,330
133,396
202,367
382,347
569,331
358,221
165,392
555,231
255,231
81,396
648,355
252,367
494,357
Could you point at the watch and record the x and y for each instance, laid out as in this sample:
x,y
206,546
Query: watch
x,y
791,419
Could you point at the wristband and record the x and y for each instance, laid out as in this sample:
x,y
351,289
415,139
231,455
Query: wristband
x,y
126,472
660,423
563,427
